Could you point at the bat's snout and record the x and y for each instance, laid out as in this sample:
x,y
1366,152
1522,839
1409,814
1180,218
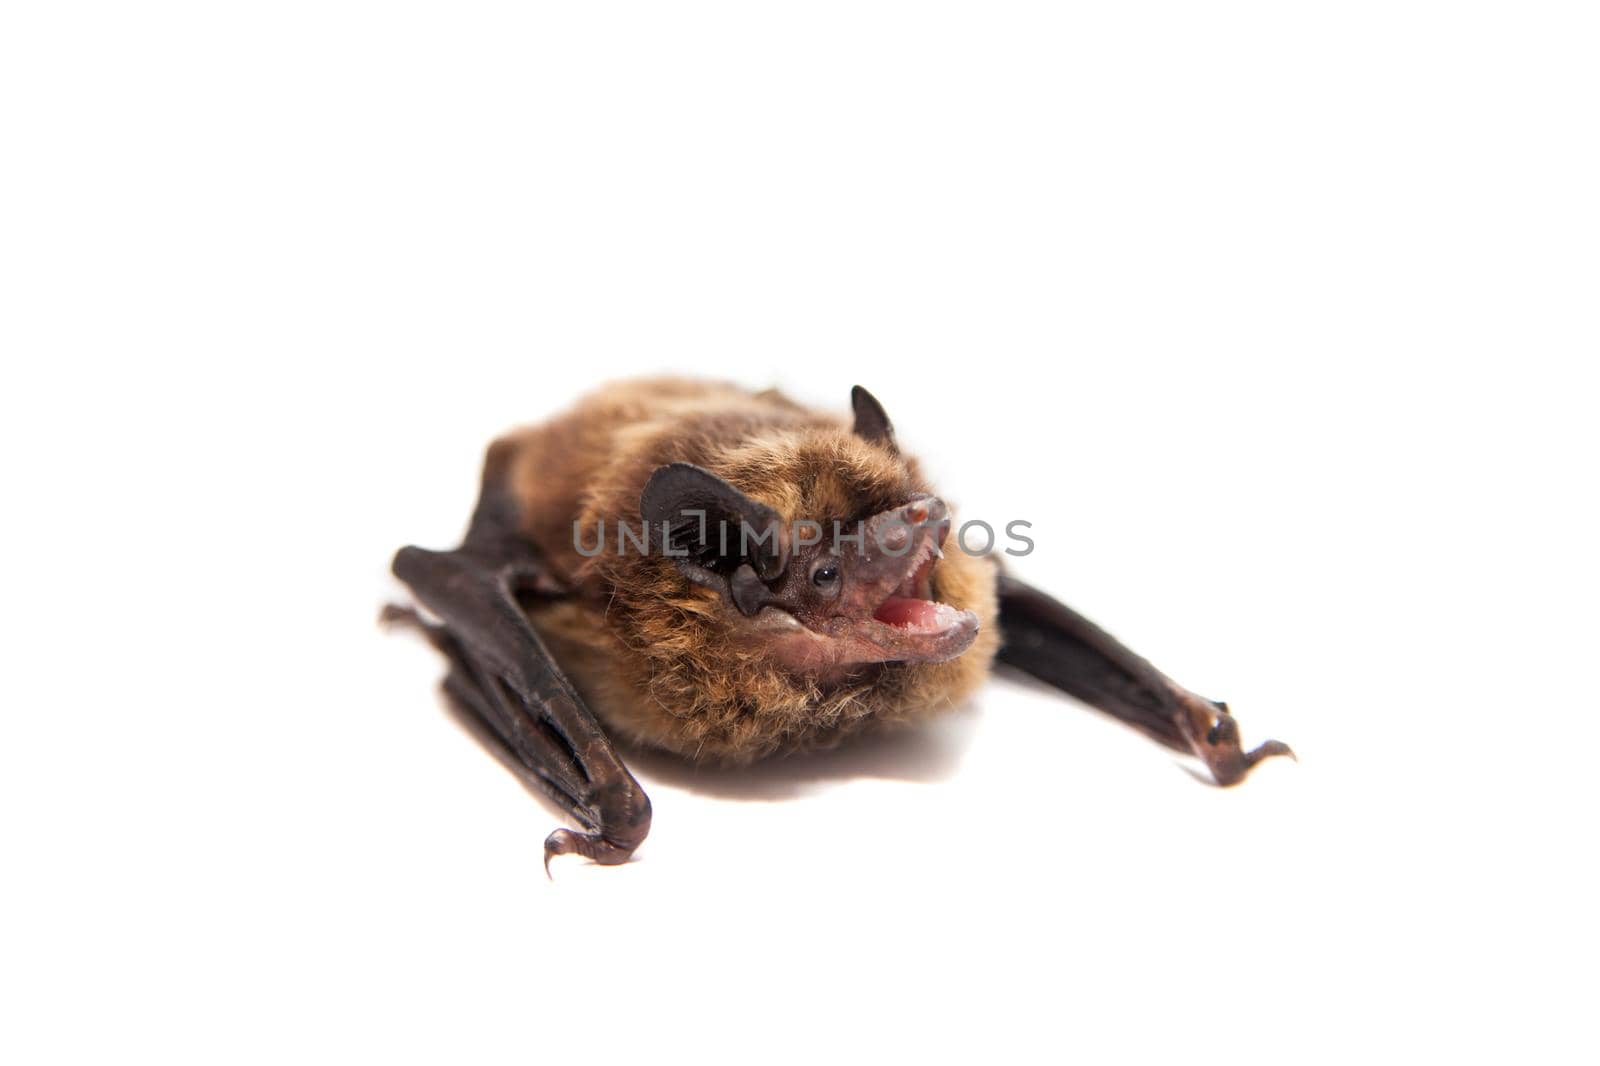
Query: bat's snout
x,y
898,530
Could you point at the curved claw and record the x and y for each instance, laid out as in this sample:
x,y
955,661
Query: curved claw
x,y
592,846
1214,736
1228,761
1267,749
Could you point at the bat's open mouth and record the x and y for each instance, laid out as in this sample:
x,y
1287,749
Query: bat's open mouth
x,y
908,612
911,606
921,627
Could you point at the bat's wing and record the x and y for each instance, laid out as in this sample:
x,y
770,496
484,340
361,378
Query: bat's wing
x,y
503,677
1059,646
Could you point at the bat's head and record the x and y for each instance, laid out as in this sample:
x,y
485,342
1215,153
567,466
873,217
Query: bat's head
x,y
841,569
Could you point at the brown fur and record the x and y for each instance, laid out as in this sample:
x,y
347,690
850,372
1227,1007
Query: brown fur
x,y
660,660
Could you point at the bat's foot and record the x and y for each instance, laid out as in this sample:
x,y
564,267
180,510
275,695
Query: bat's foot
x,y
1214,735
590,845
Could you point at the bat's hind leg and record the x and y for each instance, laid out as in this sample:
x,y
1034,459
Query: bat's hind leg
x,y
1057,645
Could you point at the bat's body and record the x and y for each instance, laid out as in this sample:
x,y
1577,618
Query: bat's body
x,y
724,574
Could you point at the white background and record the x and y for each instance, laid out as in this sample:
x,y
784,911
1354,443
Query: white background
x,y
1279,324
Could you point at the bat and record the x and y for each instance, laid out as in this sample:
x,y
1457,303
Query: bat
x,y
724,574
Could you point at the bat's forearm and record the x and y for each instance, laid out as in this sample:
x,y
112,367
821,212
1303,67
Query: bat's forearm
x,y
1049,640
505,678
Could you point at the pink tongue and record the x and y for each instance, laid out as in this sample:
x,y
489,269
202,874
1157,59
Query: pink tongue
x,y
904,611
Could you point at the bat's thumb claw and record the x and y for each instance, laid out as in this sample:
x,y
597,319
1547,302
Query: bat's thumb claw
x,y
1269,749
557,843
590,845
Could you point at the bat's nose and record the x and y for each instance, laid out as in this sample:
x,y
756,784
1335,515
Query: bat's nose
x,y
899,529
902,525
928,510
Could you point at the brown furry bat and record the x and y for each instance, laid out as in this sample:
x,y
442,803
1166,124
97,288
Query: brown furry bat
x,y
726,574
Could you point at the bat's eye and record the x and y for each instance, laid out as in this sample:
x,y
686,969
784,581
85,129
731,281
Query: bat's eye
x,y
826,577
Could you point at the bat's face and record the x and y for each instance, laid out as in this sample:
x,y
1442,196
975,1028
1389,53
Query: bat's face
x,y
867,595
817,598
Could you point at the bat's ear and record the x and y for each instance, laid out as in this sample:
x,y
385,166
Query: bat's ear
x,y
715,534
871,421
